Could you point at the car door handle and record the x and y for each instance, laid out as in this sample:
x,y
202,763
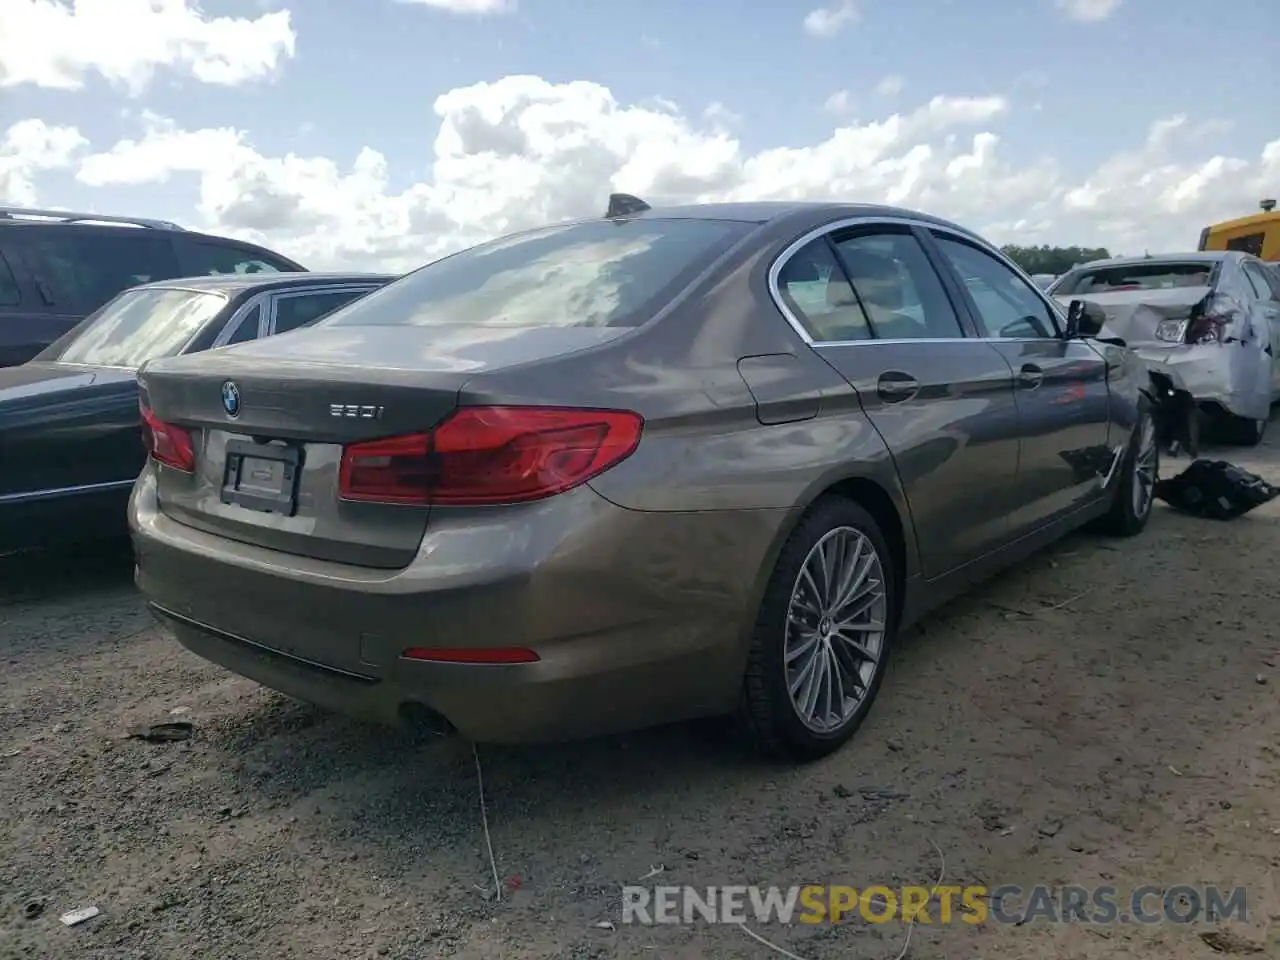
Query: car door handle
x,y
894,386
1030,376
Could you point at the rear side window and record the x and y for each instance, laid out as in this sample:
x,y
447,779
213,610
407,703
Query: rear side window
x,y
295,311
1137,276
817,291
10,295
217,259
600,273
1257,277
91,268
247,327
899,287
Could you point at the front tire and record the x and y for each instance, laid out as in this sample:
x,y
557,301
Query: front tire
x,y
823,634
1135,495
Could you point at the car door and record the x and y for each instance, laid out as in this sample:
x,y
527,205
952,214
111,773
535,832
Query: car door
x,y
1062,390
876,310
1265,305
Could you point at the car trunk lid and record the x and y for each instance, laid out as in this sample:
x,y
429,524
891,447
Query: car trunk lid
x,y
268,422
1155,318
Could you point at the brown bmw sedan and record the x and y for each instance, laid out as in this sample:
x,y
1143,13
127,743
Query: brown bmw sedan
x,y
657,465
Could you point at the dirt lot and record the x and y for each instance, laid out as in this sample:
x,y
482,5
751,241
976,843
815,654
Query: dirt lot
x,y
1107,714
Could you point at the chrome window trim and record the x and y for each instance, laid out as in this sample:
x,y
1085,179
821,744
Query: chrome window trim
x,y
275,296
964,236
232,326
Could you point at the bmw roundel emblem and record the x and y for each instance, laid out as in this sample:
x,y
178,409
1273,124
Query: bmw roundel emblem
x,y
231,399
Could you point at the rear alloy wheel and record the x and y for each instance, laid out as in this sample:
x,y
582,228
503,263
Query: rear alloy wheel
x,y
822,636
1136,495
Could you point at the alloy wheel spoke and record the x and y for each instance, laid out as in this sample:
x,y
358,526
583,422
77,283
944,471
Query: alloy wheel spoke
x,y
835,629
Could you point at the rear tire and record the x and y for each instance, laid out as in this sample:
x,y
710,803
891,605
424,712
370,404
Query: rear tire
x,y
1245,432
1135,493
819,650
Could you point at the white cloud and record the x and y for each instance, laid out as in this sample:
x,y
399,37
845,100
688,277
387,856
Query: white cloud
x,y
839,102
523,151
890,86
1088,11
826,22
31,147
474,8
57,43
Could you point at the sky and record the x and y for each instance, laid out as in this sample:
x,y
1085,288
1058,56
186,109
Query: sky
x,y
384,133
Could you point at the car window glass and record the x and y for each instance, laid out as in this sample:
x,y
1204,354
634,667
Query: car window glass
x,y
141,325
1007,305
247,327
217,259
295,311
10,295
1258,281
814,288
595,273
1252,244
1136,276
92,268
898,287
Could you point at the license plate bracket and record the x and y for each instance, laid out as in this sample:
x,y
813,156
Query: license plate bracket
x,y
262,477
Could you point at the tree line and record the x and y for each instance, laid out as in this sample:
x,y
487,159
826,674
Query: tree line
x,y
1055,260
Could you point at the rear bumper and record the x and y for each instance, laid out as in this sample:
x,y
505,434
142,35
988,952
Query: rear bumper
x,y
1232,377
637,618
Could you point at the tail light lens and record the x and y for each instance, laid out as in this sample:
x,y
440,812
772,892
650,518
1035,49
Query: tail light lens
x,y
1211,325
490,455
169,444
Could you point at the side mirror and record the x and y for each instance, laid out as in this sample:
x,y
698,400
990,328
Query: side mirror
x,y
1084,319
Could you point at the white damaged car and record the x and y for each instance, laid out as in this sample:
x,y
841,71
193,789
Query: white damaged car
x,y
1211,320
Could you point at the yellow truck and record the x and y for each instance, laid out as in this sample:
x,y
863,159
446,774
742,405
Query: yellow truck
x,y
1258,234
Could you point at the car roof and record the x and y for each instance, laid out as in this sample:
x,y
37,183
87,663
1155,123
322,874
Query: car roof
x,y
765,211
1200,256
233,284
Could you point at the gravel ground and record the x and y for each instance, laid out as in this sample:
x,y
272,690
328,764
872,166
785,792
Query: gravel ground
x,y
1105,714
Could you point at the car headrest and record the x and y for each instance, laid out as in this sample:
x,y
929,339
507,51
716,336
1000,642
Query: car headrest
x,y
876,278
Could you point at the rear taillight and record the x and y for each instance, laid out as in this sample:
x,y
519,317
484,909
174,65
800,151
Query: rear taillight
x,y
167,443
490,455
1219,313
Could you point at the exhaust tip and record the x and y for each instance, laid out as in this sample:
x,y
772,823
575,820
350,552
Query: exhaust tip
x,y
422,719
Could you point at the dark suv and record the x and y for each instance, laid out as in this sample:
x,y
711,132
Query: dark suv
x,y
57,267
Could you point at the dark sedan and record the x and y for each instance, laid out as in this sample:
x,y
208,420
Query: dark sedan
x,y
70,427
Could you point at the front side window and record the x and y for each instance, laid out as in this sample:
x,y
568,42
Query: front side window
x,y
898,287
141,325
217,259
599,273
92,268
1007,306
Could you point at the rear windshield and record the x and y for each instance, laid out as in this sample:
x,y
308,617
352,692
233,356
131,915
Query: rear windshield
x,y
139,325
1139,276
600,273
